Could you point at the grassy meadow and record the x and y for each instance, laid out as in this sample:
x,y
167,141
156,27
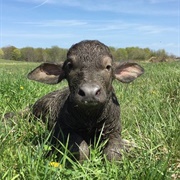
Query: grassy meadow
x,y
150,115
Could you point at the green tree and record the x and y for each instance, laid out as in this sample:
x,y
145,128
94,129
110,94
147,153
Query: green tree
x,y
121,54
8,52
55,54
28,54
16,54
113,51
148,53
39,54
135,53
63,54
1,53
161,55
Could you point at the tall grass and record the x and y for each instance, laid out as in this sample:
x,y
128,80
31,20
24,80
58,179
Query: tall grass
x,y
150,117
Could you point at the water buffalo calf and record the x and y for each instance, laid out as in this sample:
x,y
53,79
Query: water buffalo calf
x,y
89,106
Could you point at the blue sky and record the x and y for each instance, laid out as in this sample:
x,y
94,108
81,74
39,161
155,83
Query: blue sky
x,y
118,23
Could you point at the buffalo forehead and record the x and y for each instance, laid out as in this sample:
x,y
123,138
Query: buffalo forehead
x,y
88,51
87,59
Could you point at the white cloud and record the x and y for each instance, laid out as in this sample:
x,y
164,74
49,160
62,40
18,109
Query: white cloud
x,y
41,4
36,1
37,35
150,29
141,7
98,25
54,23
161,1
145,28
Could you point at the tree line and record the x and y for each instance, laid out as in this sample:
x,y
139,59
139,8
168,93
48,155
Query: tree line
x,y
56,54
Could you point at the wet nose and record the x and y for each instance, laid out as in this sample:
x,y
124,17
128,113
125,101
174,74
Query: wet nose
x,y
89,90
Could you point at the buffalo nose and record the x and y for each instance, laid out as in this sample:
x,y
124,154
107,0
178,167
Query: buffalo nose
x,y
89,90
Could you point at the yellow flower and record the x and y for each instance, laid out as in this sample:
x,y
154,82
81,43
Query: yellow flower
x,y
55,164
21,87
154,92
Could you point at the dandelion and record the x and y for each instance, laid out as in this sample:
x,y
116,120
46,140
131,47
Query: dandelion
x,y
21,87
154,92
55,164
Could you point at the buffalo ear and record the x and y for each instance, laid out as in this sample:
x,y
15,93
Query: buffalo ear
x,y
47,73
126,72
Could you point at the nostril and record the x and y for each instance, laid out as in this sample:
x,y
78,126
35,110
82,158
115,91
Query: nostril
x,y
81,92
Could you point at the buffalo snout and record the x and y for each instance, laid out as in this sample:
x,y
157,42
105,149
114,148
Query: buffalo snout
x,y
89,93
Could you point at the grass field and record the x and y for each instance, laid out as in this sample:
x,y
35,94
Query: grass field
x,y
150,115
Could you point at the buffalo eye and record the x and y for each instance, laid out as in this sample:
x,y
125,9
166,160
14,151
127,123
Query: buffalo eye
x,y
108,67
69,66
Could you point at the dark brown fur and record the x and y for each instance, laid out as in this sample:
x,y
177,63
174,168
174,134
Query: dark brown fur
x,y
89,106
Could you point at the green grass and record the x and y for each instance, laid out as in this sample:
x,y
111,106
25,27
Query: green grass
x,y
150,112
